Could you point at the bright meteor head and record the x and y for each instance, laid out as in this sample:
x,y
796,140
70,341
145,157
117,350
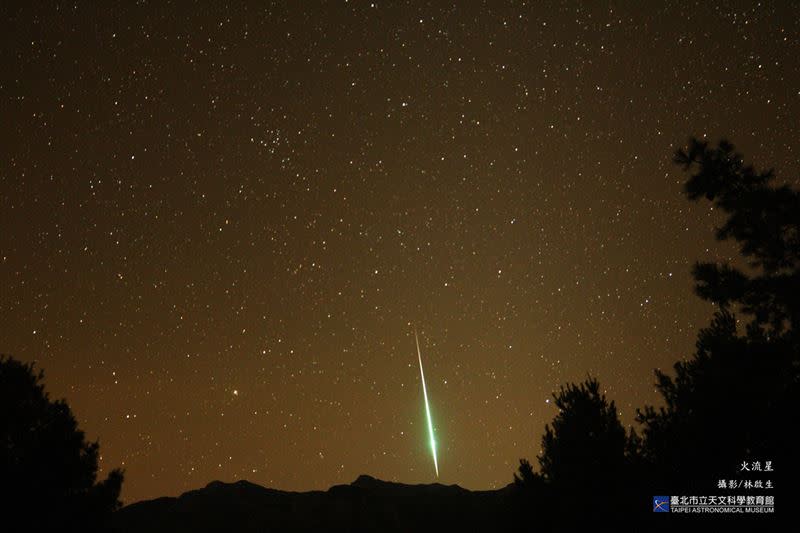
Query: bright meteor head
x,y
427,406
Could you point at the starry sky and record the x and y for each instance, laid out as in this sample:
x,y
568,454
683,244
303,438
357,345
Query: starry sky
x,y
220,225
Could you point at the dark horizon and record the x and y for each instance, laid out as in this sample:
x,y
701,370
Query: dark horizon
x,y
221,225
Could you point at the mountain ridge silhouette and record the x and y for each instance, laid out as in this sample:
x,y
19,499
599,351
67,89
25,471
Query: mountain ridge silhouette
x,y
366,504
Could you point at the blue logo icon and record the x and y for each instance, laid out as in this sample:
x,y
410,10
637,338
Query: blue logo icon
x,y
660,504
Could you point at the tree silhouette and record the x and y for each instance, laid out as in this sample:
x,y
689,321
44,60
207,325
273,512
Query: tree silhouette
x,y
586,458
585,445
48,470
732,401
526,478
765,220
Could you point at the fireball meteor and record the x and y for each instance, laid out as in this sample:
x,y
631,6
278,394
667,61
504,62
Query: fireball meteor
x,y
427,407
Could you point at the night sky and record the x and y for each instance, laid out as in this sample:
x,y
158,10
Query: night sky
x,y
219,226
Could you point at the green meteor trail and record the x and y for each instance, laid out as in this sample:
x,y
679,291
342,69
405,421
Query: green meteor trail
x,y
427,407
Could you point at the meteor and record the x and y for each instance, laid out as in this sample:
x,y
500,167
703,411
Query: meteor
x,y
427,407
